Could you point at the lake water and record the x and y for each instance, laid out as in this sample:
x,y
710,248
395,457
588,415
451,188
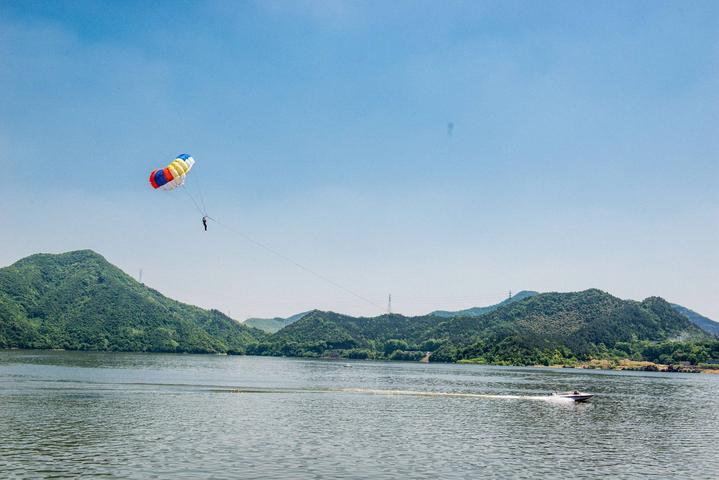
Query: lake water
x,y
65,414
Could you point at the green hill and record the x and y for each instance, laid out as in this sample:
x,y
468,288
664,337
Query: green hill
x,y
318,333
706,324
79,301
544,328
588,324
477,311
272,325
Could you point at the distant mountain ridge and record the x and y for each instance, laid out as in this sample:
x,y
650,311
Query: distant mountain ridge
x,y
272,325
534,329
79,301
583,324
706,324
477,311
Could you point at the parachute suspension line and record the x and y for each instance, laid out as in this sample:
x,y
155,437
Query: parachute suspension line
x,y
198,187
187,191
202,197
297,264
201,202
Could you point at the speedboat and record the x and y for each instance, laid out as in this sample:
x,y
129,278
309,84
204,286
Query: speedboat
x,y
575,395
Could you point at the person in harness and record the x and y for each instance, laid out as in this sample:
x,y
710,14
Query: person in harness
x,y
204,222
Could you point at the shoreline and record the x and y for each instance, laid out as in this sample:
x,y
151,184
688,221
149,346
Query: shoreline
x,y
595,364
622,364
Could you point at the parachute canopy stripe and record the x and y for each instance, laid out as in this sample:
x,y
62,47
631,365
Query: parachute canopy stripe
x,y
168,174
173,175
160,179
152,179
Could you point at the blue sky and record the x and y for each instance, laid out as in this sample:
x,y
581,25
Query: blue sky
x,y
585,149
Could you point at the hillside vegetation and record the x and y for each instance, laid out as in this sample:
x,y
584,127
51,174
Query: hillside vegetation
x,y
319,333
561,327
548,328
706,324
79,301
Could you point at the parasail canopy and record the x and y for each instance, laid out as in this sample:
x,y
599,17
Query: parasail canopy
x,y
174,174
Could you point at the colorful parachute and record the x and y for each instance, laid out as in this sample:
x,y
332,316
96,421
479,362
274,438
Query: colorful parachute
x,y
174,174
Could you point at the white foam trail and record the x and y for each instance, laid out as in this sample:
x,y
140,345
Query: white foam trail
x,y
418,393
413,393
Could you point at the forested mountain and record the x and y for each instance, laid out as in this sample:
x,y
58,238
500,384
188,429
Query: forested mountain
x,y
550,327
581,324
319,332
272,325
706,324
477,311
79,301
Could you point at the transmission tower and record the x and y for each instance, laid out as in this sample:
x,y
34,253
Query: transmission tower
x,y
389,304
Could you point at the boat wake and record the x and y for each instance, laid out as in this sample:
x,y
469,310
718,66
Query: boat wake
x,y
419,393
73,385
408,393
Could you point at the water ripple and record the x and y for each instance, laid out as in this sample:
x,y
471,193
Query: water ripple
x,y
165,416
